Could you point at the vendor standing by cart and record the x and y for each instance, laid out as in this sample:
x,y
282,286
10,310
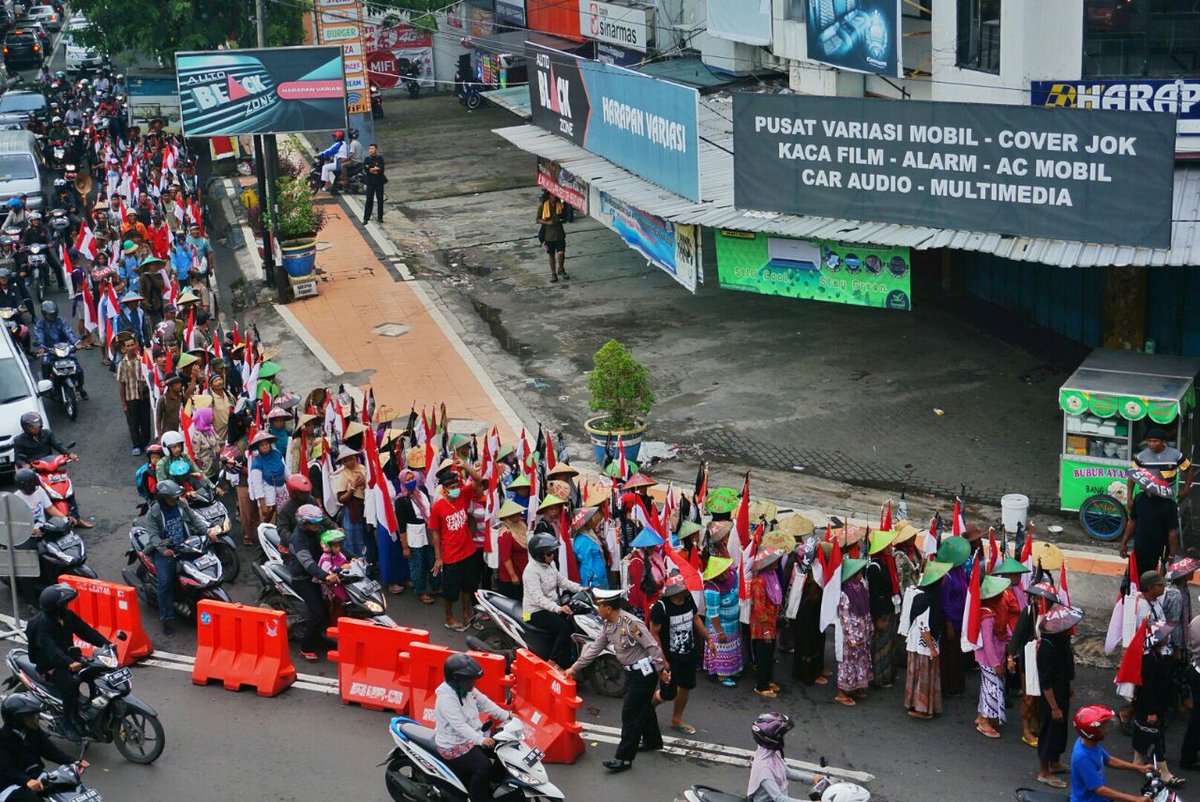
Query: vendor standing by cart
x,y
1153,517
1163,461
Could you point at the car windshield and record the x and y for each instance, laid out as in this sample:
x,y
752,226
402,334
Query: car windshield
x,y
15,166
15,101
12,382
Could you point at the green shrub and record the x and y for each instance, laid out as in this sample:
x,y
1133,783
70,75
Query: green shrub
x,y
620,387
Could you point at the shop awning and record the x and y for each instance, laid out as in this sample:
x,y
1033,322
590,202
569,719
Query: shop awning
x,y
1132,385
717,209
514,98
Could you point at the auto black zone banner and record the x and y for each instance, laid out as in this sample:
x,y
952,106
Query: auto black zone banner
x,y
270,91
1096,176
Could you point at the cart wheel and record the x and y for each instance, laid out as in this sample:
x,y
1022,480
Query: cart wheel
x,y
1103,517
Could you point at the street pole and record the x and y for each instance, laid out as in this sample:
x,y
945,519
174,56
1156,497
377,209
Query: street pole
x,y
270,161
12,561
260,171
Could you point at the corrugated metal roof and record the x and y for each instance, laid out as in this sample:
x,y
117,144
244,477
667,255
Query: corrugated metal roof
x,y
717,210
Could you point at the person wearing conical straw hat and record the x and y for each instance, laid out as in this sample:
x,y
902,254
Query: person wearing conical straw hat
x,y
854,619
953,589
925,633
766,603
588,545
723,654
808,659
513,548
993,634
646,572
883,583
906,553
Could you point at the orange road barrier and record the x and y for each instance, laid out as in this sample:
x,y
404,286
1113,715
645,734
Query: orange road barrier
x,y
373,663
242,645
546,700
111,608
425,666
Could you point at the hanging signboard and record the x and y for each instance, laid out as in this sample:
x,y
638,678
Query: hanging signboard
x,y
861,36
340,22
562,183
672,247
624,26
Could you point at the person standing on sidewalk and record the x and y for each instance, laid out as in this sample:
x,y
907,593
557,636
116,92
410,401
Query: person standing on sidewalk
x,y
135,397
551,213
374,178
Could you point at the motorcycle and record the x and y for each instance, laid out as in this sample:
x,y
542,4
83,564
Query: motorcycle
x,y
824,789
410,76
52,473
111,714
60,228
64,375
350,180
204,502
15,327
505,630
1153,788
65,784
37,270
198,572
61,551
59,154
376,101
416,773
364,595
468,92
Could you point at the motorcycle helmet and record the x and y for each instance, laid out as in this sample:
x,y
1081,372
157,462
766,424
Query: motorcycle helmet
x,y
770,728
18,706
120,76
167,489
155,448
332,536
179,468
27,480
172,438
13,203
60,75
1091,721
5,239
55,119
542,544
461,671
310,514
354,133
32,418
56,597
845,792
56,526
339,135
34,216
49,310
298,483
5,273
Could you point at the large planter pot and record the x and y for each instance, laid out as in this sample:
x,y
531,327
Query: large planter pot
x,y
602,439
299,256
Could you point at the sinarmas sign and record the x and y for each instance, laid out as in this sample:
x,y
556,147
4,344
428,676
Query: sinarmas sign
x,y
1096,176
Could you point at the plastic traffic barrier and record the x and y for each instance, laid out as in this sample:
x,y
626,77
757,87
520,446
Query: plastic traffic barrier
x,y
546,700
111,608
373,663
242,645
425,669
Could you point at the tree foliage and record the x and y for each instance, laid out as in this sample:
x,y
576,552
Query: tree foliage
x,y
158,28
619,386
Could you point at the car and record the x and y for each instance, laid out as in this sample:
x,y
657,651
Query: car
x,y
23,48
47,16
20,392
38,28
78,57
22,170
18,106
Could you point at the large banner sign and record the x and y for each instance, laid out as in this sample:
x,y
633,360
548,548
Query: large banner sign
x,y
1100,176
646,125
1177,96
391,49
272,91
817,270
862,36
340,22
626,26
672,247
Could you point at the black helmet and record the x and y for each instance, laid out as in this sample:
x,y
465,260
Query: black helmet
x,y
167,489
542,544
49,309
354,133
19,705
27,480
56,526
56,597
32,418
461,671
769,728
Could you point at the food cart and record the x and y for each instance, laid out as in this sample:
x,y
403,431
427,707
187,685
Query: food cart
x,y
1108,405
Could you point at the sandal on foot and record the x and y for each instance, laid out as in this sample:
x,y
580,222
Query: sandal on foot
x,y
919,715
1053,782
684,727
1029,740
427,599
822,680
986,733
845,700
728,682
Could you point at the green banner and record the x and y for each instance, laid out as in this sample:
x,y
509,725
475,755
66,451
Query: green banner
x,y
817,270
1081,479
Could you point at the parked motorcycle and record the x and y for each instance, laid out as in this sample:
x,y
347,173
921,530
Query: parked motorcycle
x,y
61,551
52,473
416,772
376,101
64,375
469,94
505,630
111,714
65,784
198,572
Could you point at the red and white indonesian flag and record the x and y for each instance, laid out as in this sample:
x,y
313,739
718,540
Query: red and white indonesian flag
x,y
971,637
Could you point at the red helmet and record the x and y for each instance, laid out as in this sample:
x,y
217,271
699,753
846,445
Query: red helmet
x,y
339,134
298,483
1092,721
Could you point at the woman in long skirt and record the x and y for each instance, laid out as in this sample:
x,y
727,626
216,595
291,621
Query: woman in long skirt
x,y
953,593
990,656
723,655
923,682
854,617
808,661
883,582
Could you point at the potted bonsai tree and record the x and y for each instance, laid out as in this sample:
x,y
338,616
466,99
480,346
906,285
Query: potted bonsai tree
x,y
620,388
299,222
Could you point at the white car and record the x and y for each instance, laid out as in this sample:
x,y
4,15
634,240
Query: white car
x,y
20,392
78,57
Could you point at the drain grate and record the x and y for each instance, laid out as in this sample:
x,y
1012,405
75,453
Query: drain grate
x,y
390,330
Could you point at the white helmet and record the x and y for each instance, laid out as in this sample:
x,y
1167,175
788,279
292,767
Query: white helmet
x,y
172,439
846,792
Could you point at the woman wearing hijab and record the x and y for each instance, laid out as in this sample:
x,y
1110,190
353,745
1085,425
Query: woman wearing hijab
x,y
412,511
267,476
206,443
513,545
924,630
883,584
808,660
589,548
647,572
722,659
854,620
993,634
953,591
766,604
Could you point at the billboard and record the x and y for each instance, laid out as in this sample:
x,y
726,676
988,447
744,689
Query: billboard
x,y
644,124
388,48
340,22
1177,96
562,183
511,12
814,270
625,26
1101,176
862,36
271,91
674,248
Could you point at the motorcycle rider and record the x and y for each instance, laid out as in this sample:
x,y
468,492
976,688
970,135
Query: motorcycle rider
x,y
37,442
1089,758
542,584
335,153
30,491
169,522
58,133
51,635
354,155
458,725
38,233
16,212
174,445
769,773
299,489
119,87
49,331
304,548
24,747
12,299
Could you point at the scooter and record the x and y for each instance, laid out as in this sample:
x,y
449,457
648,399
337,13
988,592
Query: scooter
x,y
37,268
1154,788
204,502
410,76
824,789
64,374
468,94
416,773
65,784
52,472
505,630
111,714
198,572
61,551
